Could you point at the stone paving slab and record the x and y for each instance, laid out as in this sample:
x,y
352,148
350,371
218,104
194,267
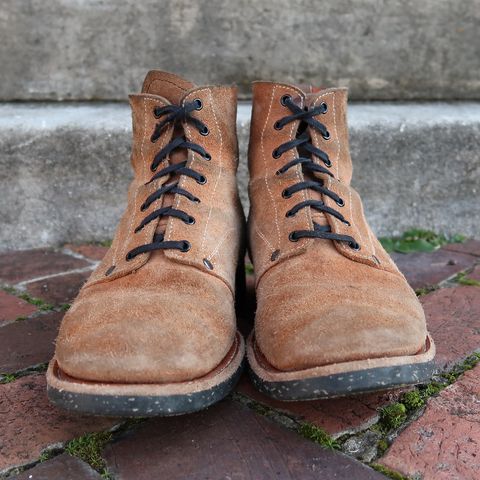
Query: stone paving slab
x,y
29,423
444,443
27,343
63,467
471,246
225,441
60,289
423,269
17,266
94,252
12,307
453,318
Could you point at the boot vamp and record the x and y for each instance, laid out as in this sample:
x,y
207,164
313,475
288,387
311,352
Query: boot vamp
x,y
166,322
319,308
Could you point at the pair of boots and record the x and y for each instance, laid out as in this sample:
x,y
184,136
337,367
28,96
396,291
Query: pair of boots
x,y
153,331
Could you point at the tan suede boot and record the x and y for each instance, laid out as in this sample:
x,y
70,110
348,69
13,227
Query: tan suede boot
x,y
153,331
334,315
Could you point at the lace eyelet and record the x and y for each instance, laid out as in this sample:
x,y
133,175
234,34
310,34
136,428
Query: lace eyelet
x,y
327,163
326,135
129,256
207,156
347,223
277,125
110,270
354,246
196,200
340,202
153,139
289,214
198,104
325,108
204,131
292,237
190,221
284,99
156,112
208,263
275,154
143,208
185,246
286,193
202,180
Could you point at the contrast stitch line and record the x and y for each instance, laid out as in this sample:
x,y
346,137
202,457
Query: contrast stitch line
x,y
213,193
219,244
263,237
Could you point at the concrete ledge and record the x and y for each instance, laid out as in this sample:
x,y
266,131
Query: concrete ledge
x,y
101,49
64,168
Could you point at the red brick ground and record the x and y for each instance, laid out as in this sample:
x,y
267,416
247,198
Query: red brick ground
x,y
442,443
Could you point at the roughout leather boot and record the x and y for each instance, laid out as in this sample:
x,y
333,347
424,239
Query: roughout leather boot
x,y
153,331
334,316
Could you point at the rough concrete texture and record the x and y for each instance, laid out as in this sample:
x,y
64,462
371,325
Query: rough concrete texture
x,y
100,49
64,169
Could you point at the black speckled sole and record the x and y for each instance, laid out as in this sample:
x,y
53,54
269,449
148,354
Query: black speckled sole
x,y
145,400
347,379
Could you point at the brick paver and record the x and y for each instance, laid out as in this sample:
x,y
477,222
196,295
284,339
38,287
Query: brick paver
x,y
225,441
336,416
27,343
453,318
63,467
61,289
28,264
444,443
470,246
29,423
12,307
95,252
426,269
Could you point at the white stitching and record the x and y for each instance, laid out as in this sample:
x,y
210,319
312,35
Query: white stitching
x,y
220,242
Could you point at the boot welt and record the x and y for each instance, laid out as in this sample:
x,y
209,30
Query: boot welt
x,y
146,400
339,379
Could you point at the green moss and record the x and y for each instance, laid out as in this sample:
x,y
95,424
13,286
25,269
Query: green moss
x,y
387,472
462,279
418,240
249,269
64,307
89,448
382,446
318,435
425,290
7,378
392,416
38,302
413,400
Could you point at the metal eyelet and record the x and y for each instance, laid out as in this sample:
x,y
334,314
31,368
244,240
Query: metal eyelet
x,y
277,125
284,99
275,154
204,131
340,202
129,256
198,104
208,263
286,193
289,214
202,180
347,223
325,108
292,237
110,270
327,163
207,156
354,246
326,135
185,246
190,221
156,113
275,255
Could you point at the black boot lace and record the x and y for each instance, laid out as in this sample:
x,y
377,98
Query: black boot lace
x,y
172,114
303,143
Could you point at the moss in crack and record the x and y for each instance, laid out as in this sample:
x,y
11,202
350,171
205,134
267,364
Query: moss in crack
x,y
38,302
249,269
7,378
462,279
392,417
425,290
318,435
89,448
387,472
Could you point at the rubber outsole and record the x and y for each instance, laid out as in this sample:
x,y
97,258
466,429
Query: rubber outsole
x,y
340,380
146,400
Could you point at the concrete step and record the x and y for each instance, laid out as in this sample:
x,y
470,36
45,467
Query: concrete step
x,y
64,168
101,49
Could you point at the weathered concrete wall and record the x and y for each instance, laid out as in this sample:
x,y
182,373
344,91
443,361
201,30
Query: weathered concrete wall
x,y
64,169
101,49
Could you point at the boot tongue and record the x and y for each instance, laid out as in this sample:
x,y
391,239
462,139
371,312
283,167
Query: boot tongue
x,y
166,85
